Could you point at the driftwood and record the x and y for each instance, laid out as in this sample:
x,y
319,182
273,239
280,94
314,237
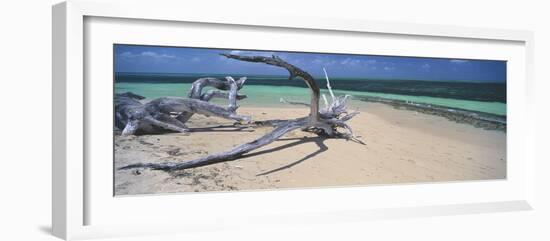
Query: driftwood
x,y
133,117
323,122
198,86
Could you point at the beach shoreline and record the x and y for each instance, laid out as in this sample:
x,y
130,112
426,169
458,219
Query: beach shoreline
x,y
478,119
402,146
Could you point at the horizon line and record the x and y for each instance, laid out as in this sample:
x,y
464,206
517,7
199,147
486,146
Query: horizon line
x,y
323,77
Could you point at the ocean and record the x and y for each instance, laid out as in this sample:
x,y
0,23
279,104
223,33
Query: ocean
x,y
487,98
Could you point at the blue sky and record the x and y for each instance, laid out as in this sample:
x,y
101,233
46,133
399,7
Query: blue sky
x,y
156,59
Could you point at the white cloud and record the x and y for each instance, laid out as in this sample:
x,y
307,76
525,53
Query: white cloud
x,y
252,53
350,61
358,62
157,55
324,61
196,59
146,54
426,67
127,54
387,66
458,61
149,53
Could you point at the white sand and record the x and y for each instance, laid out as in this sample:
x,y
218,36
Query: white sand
x,y
401,146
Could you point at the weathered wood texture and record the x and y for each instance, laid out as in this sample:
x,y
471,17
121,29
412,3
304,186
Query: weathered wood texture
x,y
322,122
133,117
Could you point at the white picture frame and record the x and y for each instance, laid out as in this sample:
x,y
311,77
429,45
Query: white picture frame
x,y
73,191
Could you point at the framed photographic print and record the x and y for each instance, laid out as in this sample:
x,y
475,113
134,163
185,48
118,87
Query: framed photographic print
x,y
336,119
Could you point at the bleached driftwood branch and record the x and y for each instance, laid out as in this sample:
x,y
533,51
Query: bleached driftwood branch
x,y
196,92
132,117
294,72
325,122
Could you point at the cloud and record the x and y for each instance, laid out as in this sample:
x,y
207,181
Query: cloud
x,y
253,53
351,62
323,61
146,54
157,55
426,67
387,66
196,59
127,54
458,61
149,53
358,62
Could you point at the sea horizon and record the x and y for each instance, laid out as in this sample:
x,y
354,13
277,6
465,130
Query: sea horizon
x,y
316,77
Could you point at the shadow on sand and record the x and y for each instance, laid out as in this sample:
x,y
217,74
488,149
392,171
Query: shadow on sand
x,y
319,141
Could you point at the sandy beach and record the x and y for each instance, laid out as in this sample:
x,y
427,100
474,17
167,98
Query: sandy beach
x,y
400,146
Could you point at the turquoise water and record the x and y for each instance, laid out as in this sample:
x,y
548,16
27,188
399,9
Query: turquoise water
x,y
460,90
263,95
